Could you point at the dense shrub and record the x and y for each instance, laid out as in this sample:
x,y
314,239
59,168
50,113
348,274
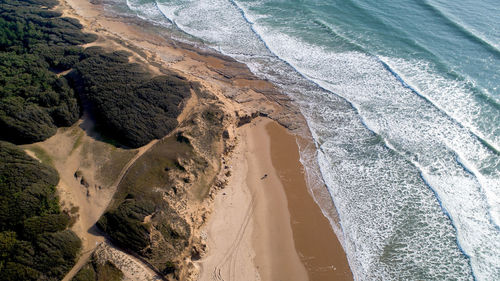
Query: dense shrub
x,y
48,223
33,100
34,242
36,46
125,224
24,25
125,99
95,271
35,43
26,188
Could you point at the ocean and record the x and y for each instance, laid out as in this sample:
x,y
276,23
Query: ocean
x,y
403,101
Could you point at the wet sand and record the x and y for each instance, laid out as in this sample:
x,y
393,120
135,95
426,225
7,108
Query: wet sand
x,y
315,241
275,255
265,223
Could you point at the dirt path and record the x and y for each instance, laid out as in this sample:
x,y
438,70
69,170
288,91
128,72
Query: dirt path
x,y
140,152
88,232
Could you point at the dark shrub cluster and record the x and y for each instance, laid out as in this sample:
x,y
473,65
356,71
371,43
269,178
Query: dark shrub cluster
x,y
95,271
37,48
125,224
34,241
125,99
35,43
33,100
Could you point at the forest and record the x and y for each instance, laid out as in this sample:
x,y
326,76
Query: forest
x,y
126,101
35,45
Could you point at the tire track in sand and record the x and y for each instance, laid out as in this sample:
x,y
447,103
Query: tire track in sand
x,y
230,257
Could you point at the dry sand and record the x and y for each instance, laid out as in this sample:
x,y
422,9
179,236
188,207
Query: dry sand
x,y
266,225
250,236
73,149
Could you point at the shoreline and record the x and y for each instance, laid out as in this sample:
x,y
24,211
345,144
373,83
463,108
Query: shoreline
x,y
276,257
248,96
315,240
278,232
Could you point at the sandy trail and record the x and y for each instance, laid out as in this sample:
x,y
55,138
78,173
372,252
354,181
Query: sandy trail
x,y
91,210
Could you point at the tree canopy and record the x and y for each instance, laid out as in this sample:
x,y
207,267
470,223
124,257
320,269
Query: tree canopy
x,y
36,44
127,101
34,241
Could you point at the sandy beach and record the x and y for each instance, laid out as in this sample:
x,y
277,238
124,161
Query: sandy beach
x,y
265,223
317,245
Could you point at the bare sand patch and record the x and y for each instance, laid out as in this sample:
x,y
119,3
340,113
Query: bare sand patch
x,y
266,225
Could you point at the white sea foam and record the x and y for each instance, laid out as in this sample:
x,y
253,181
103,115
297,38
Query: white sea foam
x,y
463,104
421,133
394,163
216,22
148,11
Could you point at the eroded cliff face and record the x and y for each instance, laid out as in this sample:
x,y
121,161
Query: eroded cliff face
x,y
156,210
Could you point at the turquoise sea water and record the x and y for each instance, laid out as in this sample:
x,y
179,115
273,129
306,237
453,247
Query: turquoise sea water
x,y
403,100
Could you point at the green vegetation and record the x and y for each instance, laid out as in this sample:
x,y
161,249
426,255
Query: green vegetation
x,y
41,154
151,169
139,217
127,101
139,212
34,241
125,224
95,271
35,44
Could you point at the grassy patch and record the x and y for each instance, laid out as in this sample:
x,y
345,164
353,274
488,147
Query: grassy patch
x,y
150,171
112,166
78,141
94,271
41,154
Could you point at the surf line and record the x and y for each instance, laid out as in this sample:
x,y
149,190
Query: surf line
x,y
355,108
312,80
451,118
457,159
